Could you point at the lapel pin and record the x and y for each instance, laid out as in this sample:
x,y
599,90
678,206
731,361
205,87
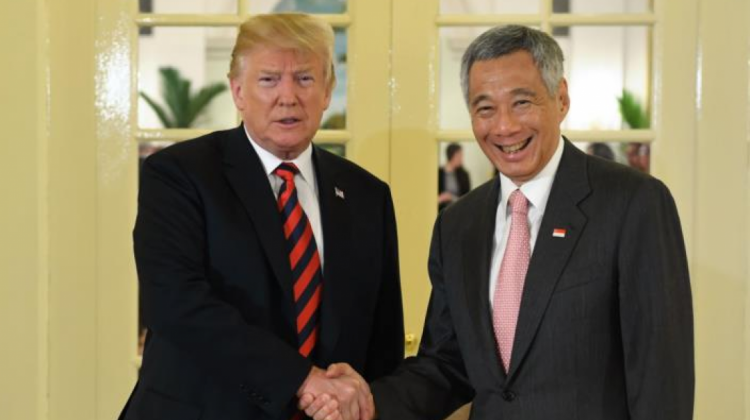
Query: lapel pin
x,y
559,233
339,193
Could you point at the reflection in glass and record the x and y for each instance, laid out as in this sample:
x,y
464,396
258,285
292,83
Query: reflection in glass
x,y
601,62
187,6
307,6
475,170
488,7
453,42
635,155
201,56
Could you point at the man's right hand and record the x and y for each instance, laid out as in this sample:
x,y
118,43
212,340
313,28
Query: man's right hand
x,y
337,394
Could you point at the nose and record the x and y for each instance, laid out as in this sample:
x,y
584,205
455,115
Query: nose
x,y
506,123
288,92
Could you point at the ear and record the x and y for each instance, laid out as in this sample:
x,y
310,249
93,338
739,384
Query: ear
x,y
235,86
563,100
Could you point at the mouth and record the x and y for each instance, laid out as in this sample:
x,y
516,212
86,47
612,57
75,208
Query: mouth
x,y
288,121
512,149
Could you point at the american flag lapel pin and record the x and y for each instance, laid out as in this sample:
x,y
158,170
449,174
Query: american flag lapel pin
x,y
338,192
559,232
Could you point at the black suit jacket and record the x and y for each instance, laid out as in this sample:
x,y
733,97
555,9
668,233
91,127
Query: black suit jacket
x,y
605,329
216,283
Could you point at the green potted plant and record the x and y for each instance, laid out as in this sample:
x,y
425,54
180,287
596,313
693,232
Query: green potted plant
x,y
636,117
182,106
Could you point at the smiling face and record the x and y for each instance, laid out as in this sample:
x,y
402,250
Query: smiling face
x,y
515,120
281,95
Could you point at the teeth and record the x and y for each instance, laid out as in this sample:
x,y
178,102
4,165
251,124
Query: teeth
x,y
514,147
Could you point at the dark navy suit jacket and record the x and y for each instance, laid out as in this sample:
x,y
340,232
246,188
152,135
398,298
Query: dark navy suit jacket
x,y
216,283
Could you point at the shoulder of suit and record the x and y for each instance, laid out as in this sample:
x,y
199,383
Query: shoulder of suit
x,y
604,173
473,200
199,150
340,166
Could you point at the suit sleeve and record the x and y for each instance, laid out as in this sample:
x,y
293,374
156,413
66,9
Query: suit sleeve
x,y
656,308
180,305
433,384
386,348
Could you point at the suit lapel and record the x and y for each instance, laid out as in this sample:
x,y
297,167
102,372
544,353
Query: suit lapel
x,y
337,239
246,175
477,254
551,254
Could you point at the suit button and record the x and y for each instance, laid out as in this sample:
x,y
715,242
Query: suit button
x,y
509,395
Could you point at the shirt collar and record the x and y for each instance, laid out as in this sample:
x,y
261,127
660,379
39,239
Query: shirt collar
x,y
538,188
271,162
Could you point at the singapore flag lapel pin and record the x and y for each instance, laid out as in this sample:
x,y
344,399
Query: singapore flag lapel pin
x,y
559,232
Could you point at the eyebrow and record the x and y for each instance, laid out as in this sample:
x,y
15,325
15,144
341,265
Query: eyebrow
x,y
479,99
514,92
296,73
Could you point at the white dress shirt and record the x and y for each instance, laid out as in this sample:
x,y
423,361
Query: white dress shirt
x,y
305,181
537,192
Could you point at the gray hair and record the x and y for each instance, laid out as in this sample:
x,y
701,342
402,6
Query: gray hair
x,y
504,40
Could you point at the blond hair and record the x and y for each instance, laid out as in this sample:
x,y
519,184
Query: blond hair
x,y
293,31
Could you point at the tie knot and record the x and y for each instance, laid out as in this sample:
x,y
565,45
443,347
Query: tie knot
x,y
518,203
286,170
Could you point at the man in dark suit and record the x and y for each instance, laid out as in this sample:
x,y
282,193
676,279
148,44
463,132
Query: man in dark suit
x,y
263,259
453,180
561,288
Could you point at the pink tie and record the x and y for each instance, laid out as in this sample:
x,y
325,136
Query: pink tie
x,y
509,288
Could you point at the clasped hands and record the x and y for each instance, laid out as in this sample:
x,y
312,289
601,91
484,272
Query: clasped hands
x,y
338,393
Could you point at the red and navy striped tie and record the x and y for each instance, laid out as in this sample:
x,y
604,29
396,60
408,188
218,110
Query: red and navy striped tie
x,y
303,257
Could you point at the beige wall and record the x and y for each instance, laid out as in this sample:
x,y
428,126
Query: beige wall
x,y
719,244
62,357
22,244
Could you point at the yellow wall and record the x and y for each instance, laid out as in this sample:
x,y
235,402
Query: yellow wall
x,y
720,247
22,243
66,178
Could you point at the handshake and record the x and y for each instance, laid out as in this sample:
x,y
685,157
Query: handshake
x,y
338,393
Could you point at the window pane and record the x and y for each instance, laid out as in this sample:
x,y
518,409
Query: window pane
x,y
335,116
453,42
601,62
198,55
488,6
635,155
475,170
337,149
307,6
610,6
187,6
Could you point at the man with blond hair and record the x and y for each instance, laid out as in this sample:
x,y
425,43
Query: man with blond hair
x,y
262,259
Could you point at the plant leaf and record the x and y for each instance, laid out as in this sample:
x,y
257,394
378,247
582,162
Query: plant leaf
x,y
199,102
175,94
632,112
160,112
